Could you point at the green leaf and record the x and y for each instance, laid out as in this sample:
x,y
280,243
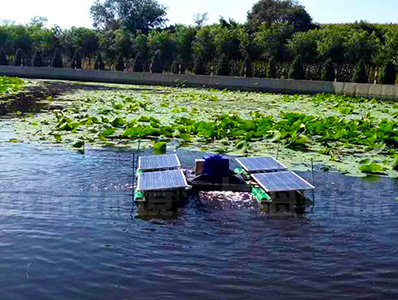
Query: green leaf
x,y
371,168
118,122
160,147
395,165
185,136
78,144
129,132
345,110
108,132
118,106
144,119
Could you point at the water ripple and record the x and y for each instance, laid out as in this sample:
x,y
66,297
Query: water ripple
x,y
69,230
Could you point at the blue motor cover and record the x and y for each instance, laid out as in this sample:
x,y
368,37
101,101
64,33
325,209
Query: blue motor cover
x,y
216,165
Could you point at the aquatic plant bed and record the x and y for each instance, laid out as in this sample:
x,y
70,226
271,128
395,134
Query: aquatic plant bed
x,y
353,135
10,84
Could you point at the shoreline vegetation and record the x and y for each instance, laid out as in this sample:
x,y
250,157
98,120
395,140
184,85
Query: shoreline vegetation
x,y
278,40
355,136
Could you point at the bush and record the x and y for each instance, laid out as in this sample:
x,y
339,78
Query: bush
x,y
360,75
3,58
76,61
200,65
56,62
223,66
19,59
139,63
296,69
120,65
270,72
247,70
328,71
389,74
37,60
99,63
156,64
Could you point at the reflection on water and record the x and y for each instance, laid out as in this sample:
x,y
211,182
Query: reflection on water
x,y
69,230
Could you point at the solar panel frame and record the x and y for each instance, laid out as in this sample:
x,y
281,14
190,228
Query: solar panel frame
x,y
158,162
162,181
260,164
282,182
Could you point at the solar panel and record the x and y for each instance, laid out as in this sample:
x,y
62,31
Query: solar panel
x,y
260,164
159,181
158,162
282,182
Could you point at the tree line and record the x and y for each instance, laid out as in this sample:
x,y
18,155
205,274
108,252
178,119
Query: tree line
x,y
279,40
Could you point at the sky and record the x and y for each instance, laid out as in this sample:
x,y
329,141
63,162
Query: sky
x,y
68,13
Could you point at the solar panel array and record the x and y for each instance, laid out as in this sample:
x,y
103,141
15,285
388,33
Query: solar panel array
x,y
160,181
158,162
260,164
282,182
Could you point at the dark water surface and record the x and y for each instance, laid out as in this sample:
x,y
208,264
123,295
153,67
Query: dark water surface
x,y
69,230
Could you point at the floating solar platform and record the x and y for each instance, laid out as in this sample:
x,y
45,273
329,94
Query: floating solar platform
x,y
282,182
161,181
260,164
158,162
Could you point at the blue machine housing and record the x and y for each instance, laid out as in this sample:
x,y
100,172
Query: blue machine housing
x,y
216,165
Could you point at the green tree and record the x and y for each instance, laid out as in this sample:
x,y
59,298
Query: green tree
x,y
120,64
76,62
305,44
157,65
176,67
359,46
37,60
389,74
270,72
163,45
247,69
204,43
19,59
272,41
360,75
223,68
135,15
3,58
328,71
99,63
227,41
80,39
296,69
280,11
200,65
200,19
139,63
185,37
56,61
141,48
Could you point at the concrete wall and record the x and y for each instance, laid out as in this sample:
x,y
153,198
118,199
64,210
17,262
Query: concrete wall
x,y
366,90
261,84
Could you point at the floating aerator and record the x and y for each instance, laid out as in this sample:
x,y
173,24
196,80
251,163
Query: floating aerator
x,y
216,165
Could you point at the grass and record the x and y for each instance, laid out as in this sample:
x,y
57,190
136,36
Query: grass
x,y
353,135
